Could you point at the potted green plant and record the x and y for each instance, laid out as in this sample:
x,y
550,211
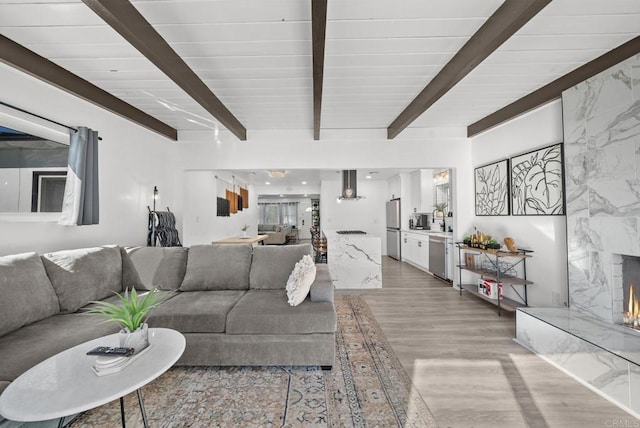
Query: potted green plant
x,y
131,313
440,208
467,241
492,244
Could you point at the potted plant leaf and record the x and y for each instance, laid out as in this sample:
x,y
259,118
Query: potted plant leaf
x,y
492,244
131,313
440,208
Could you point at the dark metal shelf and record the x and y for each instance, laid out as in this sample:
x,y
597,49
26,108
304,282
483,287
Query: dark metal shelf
x,y
509,279
497,274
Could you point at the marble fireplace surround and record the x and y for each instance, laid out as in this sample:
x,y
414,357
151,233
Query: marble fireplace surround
x,y
601,120
604,357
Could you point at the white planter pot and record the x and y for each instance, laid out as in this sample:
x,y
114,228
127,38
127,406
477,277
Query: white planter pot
x,y
137,340
244,234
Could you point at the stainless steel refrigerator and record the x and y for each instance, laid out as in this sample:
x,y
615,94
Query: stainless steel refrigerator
x,y
393,228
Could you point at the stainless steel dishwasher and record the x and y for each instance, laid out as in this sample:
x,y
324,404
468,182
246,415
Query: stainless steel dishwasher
x,y
438,256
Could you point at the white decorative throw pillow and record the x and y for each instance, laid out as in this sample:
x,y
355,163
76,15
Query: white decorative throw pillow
x,y
300,280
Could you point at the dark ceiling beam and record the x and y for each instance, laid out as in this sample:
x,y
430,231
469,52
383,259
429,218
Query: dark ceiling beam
x,y
27,61
506,21
553,90
123,17
318,32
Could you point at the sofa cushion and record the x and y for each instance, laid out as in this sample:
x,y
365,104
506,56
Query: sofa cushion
x,y
267,312
322,289
82,275
217,267
26,347
26,294
196,311
130,277
271,266
147,267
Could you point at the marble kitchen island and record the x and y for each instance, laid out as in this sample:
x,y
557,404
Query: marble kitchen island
x,y
354,260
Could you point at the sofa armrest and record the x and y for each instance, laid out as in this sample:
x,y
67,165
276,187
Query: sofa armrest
x,y
322,288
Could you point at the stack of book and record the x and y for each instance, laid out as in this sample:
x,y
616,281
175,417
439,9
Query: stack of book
x,y
108,364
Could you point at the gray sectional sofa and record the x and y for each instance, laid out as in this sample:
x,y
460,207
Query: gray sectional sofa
x,y
229,301
276,233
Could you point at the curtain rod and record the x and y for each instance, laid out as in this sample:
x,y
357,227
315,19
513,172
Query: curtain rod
x,y
71,128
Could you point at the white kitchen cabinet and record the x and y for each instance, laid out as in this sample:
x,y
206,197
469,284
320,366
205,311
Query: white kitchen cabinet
x,y
415,249
423,252
415,192
412,249
450,259
404,247
426,191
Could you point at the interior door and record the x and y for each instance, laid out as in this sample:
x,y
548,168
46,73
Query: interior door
x,y
304,220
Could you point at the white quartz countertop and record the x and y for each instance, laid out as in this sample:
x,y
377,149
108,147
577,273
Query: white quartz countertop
x,y
333,234
429,232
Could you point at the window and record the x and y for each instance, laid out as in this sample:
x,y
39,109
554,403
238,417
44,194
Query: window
x,y
48,191
279,213
32,172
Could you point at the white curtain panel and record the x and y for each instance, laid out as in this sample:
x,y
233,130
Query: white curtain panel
x,y
80,205
279,213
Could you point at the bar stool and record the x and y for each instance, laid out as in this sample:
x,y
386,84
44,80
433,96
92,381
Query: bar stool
x,y
320,248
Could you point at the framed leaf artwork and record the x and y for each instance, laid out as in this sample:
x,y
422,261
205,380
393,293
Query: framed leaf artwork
x,y
492,188
537,182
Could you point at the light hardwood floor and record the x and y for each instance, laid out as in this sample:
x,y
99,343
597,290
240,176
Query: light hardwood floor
x,y
465,364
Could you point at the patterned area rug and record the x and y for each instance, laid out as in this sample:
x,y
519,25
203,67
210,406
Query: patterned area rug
x,y
366,387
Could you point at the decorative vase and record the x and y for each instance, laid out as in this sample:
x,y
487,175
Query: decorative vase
x,y
244,234
138,340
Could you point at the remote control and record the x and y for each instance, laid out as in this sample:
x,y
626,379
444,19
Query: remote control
x,y
107,350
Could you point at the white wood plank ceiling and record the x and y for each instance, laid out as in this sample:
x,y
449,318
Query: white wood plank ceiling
x,y
256,55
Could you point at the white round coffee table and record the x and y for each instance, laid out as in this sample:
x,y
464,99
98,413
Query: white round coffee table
x,y
66,384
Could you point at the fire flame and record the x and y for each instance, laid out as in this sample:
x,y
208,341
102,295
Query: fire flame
x,y
632,316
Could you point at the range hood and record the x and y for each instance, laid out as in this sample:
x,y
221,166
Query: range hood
x,y
349,186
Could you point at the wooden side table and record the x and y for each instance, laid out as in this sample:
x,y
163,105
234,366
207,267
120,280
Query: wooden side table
x,y
253,240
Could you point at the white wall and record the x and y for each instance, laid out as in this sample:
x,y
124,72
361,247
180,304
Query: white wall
x,y
10,190
395,187
201,225
367,214
271,189
132,161
546,235
426,184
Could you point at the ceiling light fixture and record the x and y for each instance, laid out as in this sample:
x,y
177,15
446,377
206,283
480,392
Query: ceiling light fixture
x,y
267,183
277,173
303,182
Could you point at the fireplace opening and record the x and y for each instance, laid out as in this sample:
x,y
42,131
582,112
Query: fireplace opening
x,y
631,291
